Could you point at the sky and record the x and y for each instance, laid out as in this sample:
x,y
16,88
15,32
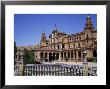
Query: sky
x,y
28,28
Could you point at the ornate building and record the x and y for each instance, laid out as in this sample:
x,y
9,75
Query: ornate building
x,y
65,47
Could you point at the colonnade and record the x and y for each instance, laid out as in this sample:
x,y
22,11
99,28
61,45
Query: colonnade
x,y
61,55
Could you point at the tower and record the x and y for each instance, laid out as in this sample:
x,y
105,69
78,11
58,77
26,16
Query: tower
x,y
88,25
43,40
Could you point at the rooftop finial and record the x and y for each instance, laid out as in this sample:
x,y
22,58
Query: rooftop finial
x,y
55,26
43,31
88,16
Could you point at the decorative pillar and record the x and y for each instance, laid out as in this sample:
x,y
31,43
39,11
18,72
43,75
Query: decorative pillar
x,y
77,56
63,56
70,55
48,56
81,56
85,64
59,56
73,55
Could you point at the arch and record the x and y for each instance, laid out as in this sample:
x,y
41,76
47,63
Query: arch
x,y
75,54
79,54
41,55
57,56
64,54
68,54
71,54
54,56
46,57
61,54
50,56
45,54
58,46
94,53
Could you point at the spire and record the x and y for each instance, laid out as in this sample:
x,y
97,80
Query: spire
x,y
55,26
43,40
55,29
43,31
43,36
89,25
88,16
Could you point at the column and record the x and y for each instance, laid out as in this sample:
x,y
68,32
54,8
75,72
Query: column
x,y
74,55
59,56
77,56
81,56
63,56
38,54
70,55
48,56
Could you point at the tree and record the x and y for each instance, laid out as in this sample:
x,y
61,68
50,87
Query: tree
x,y
28,57
15,50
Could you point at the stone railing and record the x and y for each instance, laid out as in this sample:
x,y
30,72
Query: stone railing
x,y
56,70
92,71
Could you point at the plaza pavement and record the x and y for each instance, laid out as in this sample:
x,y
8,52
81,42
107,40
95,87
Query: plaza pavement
x,y
90,64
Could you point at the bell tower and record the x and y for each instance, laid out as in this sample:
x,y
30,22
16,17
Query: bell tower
x,y
43,40
88,25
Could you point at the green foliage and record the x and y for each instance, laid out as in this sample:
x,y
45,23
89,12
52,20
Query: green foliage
x,y
66,58
28,57
95,59
15,50
90,59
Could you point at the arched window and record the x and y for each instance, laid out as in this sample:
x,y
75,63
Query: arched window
x,y
75,54
69,46
57,56
94,53
41,55
79,54
61,54
45,54
68,54
79,45
71,54
58,46
64,54
63,46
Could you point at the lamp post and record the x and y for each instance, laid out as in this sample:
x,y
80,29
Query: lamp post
x,y
85,64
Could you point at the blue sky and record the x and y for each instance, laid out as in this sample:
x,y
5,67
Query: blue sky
x,y
29,27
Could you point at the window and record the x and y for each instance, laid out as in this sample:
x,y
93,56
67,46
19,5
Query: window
x,y
68,45
71,54
87,36
54,46
79,54
75,54
16,56
68,55
58,46
79,38
62,54
46,54
63,46
79,45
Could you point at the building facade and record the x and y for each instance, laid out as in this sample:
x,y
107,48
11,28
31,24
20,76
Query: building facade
x,y
65,47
